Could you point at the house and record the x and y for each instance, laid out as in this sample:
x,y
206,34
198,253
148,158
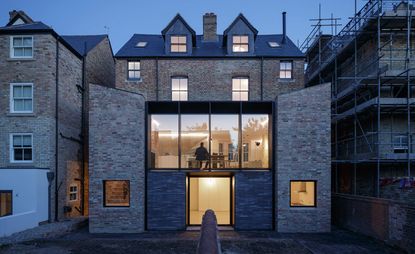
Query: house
x,y
43,101
240,95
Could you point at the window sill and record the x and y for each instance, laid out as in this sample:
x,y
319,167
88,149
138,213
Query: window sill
x,y
134,80
21,114
286,80
20,59
21,163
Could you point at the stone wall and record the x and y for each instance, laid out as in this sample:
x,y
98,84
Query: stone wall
x,y
303,153
100,65
253,201
387,220
116,145
210,79
166,201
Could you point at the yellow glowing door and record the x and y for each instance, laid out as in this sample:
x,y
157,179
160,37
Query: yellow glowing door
x,y
210,193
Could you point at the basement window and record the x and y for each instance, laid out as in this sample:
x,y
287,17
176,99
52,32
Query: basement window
x,y
116,193
274,44
303,193
141,44
6,203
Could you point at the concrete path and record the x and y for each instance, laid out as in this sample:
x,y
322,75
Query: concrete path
x,y
339,241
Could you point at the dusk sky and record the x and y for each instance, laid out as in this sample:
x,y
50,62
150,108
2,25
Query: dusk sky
x,y
122,18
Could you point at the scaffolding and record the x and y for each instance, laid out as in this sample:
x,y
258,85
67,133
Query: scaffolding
x,y
371,66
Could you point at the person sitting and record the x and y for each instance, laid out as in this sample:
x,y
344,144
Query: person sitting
x,y
202,154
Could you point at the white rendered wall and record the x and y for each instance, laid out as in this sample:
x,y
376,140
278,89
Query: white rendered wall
x,y
30,199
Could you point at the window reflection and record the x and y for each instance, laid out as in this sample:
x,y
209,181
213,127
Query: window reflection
x,y
194,132
255,141
164,141
224,143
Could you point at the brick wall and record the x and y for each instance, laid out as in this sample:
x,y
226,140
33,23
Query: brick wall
x,y
303,153
386,220
210,79
116,145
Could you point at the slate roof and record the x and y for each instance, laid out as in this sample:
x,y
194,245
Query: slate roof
x,y
155,47
78,42
27,27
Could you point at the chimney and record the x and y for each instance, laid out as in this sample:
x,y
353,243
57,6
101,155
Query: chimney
x,y
15,15
209,27
284,27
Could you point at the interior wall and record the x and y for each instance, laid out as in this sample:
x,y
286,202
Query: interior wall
x,y
214,193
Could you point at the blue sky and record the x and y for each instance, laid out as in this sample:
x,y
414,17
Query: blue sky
x,y
122,18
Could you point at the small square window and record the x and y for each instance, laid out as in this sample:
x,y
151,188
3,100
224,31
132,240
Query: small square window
x,y
178,44
21,98
274,44
21,148
73,193
134,70
6,203
117,193
303,193
21,47
240,43
141,44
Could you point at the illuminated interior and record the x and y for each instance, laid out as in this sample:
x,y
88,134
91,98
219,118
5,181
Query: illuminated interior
x,y
303,193
210,193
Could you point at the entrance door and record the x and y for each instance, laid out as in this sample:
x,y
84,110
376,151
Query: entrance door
x,y
209,193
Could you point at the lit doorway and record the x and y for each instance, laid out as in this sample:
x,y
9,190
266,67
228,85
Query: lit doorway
x,y
210,193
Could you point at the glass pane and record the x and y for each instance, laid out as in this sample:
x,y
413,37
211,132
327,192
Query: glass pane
x,y
27,91
244,48
27,51
17,91
236,96
117,193
27,41
18,154
182,39
17,141
255,136
136,65
175,84
244,96
27,141
174,39
224,141
244,84
194,141
130,65
236,48
27,153
18,52
302,193
182,48
236,39
183,96
164,141
183,84
175,96
18,41
18,105
244,39
236,84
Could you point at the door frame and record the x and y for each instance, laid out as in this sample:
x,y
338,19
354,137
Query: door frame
x,y
231,199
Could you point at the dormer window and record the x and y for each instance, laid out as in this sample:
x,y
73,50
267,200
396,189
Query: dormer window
x,y
274,44
178,44
240,43
141,44
21,47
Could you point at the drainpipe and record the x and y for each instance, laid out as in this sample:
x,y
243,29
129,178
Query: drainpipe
x,y
83,130
262,78
57,129
50,176
157,78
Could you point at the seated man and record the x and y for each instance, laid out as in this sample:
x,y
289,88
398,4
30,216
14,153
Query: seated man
x,y
202,154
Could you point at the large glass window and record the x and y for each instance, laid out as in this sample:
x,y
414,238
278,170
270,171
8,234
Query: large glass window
x,y
117,193
178,44
303,193
240,43
224,141
164,141
194,139
240,89
21,98
255,143
179,89
6,203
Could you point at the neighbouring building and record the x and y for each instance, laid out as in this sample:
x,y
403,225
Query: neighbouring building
x,y
370,64
43,101
218,121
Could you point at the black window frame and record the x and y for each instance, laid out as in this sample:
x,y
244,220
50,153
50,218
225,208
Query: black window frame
x,y
315,194
105,198
133,70
291,71
11,203
240,43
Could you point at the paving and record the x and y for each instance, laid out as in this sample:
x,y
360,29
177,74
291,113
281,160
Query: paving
x,y
80,241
